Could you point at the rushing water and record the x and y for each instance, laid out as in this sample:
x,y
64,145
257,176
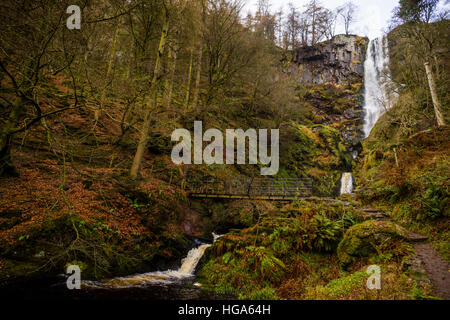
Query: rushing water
x,y
377,96
168,277
346,183
186,271
157,285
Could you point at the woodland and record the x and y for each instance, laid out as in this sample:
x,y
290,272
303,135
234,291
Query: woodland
x,y
87,179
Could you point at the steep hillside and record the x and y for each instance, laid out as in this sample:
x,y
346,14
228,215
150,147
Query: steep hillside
x,y
87,177
73,200
404,167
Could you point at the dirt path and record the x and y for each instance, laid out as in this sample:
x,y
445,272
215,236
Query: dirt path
x,y
437,269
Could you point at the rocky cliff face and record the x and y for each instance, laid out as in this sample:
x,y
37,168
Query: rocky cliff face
x,y
338,60
332,73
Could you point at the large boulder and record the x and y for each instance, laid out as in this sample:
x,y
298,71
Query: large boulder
x,y
365,238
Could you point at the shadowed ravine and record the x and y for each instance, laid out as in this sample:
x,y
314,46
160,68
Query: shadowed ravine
x,y
185,272
168,284
157,285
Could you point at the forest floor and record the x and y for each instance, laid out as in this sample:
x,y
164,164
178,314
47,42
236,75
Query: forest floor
x,y
428,261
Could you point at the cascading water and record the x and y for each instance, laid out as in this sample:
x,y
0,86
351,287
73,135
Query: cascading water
x,y
167,277
159,285
377,97
346,183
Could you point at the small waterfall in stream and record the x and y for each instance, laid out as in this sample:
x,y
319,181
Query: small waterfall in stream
x,y
377,98
346,183
167,277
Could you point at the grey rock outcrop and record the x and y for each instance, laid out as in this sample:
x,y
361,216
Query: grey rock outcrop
x,y
338,60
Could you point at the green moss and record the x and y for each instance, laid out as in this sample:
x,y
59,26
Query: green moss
x,y
419,293
317,153
338,288
267,293
253,262
366,238
16,269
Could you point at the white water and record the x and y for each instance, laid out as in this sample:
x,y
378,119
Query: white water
x,y
158,277
377,96
216,236
346,183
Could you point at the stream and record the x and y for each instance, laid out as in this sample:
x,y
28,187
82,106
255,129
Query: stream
x,y
167,277
157,285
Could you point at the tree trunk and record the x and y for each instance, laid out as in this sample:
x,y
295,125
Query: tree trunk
x,y
437,106
189,80
255,90
6,165
197,77
152,103
112,53
168,87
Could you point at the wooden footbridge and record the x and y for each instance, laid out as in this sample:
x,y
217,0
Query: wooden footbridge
x,y
248,188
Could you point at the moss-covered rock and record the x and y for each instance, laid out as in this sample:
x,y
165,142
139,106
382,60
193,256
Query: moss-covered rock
x,y
316,152
366,238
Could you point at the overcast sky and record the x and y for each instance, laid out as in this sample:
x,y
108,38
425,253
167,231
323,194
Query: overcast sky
x,y
372,17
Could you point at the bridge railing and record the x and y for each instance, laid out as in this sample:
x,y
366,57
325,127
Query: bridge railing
x,y
277,187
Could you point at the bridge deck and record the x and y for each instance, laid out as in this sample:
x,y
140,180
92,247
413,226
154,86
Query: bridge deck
x,y
256,188
245,196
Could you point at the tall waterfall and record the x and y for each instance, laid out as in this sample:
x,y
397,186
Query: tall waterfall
x,y
346,183
377,98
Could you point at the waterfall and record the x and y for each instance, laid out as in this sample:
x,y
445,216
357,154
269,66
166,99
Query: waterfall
x,y
191,261
216,236
377,98
167,277
346,183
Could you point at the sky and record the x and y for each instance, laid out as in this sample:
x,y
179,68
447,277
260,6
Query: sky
x,y
372,18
